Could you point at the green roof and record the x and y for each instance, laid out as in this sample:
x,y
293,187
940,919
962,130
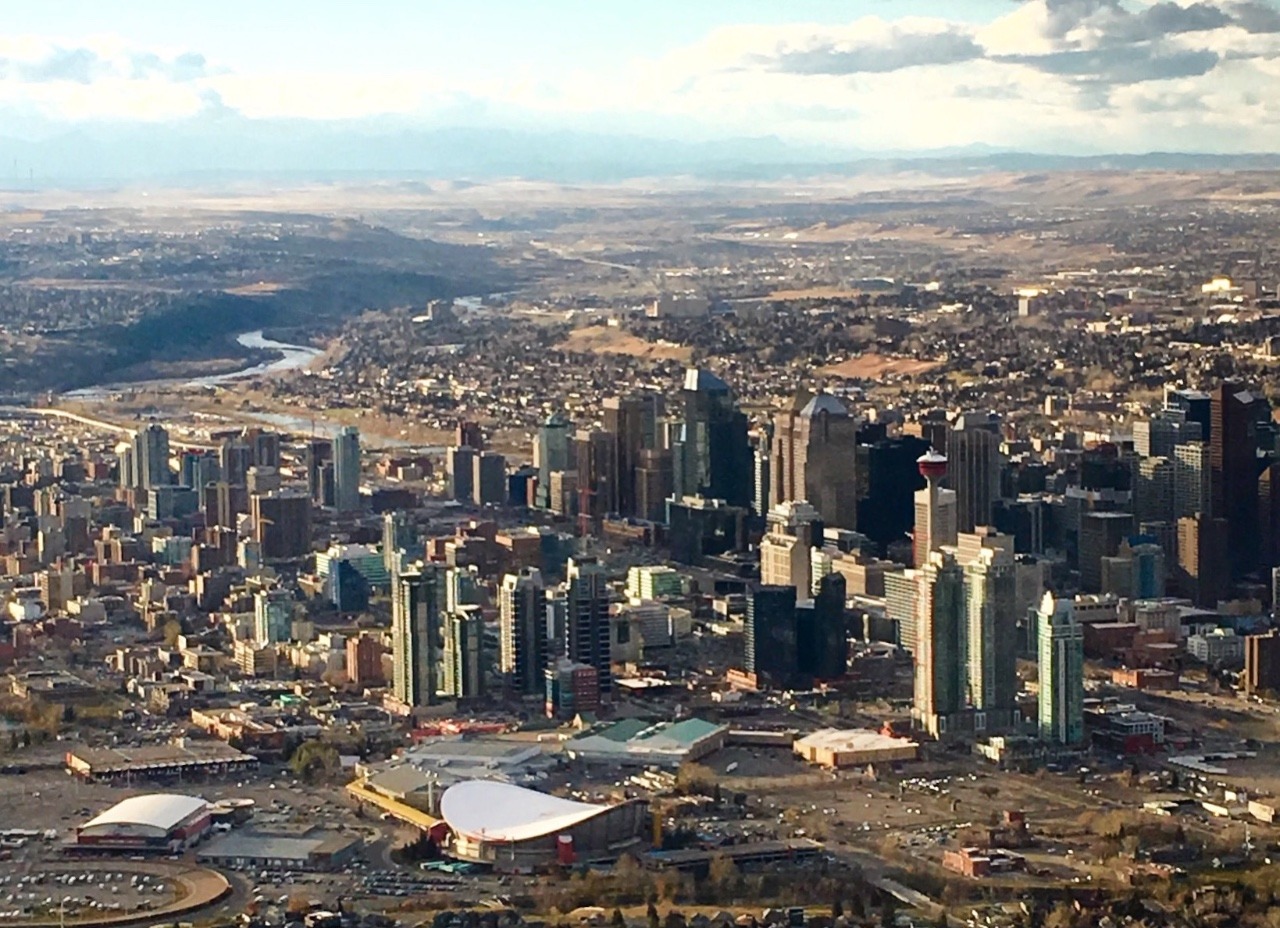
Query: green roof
x,y
624,730
688,731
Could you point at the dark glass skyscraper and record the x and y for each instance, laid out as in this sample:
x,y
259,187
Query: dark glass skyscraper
x,y
822,641
1235,413
771,640
888,478
713,457
588,620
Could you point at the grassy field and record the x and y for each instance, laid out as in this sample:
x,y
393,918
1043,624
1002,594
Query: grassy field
x,y
874,366
610,340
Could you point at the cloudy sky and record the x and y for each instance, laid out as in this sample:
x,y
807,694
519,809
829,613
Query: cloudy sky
x,y
1043,75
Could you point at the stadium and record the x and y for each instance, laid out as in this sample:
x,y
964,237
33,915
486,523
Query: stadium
x,y
156,822
519,830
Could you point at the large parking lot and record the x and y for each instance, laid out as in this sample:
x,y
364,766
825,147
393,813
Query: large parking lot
x,y
31,888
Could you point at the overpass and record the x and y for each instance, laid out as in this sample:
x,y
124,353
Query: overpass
x,y
401,811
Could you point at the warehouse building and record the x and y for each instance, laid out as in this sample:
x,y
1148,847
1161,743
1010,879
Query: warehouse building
x,y
633,742
853,747
153,822
309,849
179,759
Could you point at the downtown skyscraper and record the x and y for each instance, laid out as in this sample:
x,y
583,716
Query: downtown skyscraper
x,y
712,457
522,631
151,457
973,467
588,620
1060,641
346,469
1235,414
813,457
417,634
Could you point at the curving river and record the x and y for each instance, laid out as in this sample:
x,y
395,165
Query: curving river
x,y
291,358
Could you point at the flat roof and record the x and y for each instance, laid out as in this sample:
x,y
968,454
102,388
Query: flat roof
x,y
470,748
492,811
642,735
155,810
852,739
283,847
149,756
732,851
400,780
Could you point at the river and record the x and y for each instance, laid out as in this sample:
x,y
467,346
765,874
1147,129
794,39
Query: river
x,y
291,358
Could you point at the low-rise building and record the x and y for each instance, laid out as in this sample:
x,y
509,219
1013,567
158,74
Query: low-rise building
x,y
1218,646
837,748
310,849
632,742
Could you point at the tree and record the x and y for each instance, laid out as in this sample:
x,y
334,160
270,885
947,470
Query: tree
x,y
313,760
13,740
837,909
26,738
722,874
651,914
694,778
618,920
172,629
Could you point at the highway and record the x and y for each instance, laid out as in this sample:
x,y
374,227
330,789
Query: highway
x,y
102,424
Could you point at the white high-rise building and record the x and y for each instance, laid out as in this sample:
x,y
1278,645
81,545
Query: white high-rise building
x,y
1061,651
991,640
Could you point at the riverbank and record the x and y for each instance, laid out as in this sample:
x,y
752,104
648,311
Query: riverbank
x,y
263,357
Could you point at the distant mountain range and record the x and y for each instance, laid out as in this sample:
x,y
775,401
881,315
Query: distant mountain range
x,y
229,147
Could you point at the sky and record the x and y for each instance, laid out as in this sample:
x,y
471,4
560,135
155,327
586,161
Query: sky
x,y
1060,76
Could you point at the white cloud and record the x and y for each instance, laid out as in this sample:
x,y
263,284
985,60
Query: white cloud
x,y
1100,74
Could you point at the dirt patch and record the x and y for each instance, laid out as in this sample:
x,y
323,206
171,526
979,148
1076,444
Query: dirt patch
x,y
874,366
815,293
262,286
600,339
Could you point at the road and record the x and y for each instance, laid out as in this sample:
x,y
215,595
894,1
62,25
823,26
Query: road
x,y
102,424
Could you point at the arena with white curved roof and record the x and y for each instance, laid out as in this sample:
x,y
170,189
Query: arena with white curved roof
x,y
152,821
513,828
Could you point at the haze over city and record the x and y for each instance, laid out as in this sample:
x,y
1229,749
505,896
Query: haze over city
x,y
660,465
143,88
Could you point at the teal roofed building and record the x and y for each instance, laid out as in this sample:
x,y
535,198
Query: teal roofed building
x,y
635,742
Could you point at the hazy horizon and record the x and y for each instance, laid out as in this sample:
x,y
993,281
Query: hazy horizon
x,y
578,90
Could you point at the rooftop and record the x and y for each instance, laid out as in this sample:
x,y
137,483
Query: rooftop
x,y
156,810
105,760
696,378
275,846
823,403
502,812
849,739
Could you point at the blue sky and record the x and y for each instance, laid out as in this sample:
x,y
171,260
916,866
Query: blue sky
x,y
1048,75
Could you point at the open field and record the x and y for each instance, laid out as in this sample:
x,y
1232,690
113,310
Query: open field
x,y
610,340
872,366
